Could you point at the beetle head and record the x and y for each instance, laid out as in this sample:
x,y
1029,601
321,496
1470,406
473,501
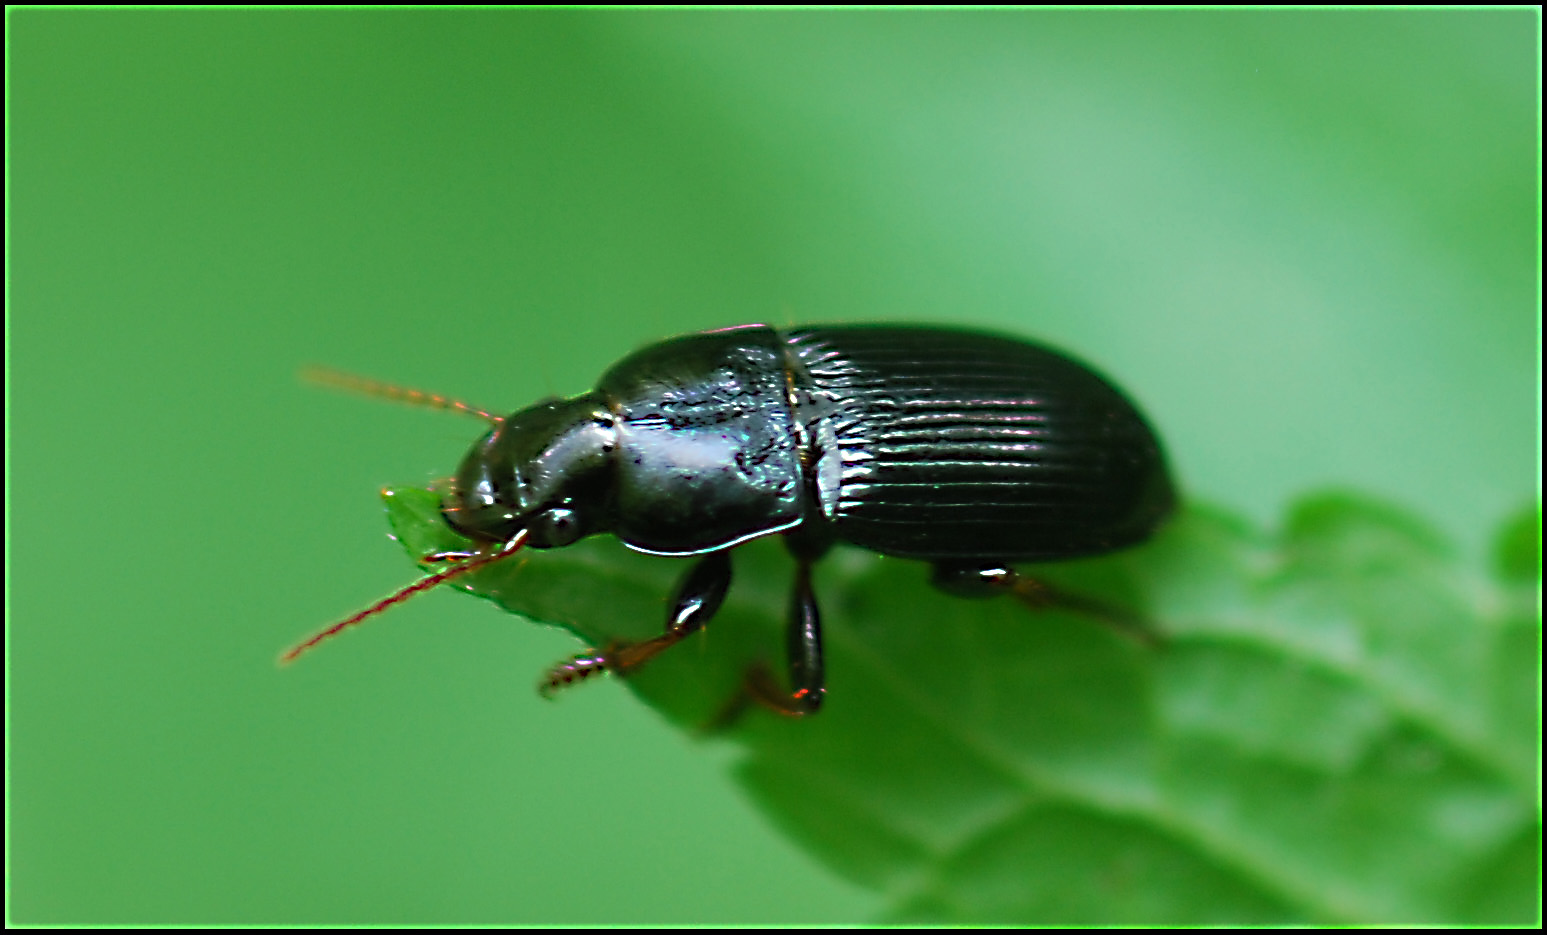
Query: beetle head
x,y
544,469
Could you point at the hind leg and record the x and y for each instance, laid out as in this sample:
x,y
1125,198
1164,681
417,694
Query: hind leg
x,y
979,579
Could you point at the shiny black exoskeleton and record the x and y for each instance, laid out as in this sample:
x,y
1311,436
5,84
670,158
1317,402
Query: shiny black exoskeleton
x,y
966,450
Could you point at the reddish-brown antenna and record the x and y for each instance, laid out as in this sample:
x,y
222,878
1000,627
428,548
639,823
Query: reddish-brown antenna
x,y
473,562
401,394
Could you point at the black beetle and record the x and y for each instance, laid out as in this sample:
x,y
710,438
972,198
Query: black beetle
x,y
967,450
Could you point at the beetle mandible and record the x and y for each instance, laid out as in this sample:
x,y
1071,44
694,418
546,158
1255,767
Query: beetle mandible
x,y
967,450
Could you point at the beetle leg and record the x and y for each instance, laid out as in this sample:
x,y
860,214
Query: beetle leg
x,y
991,579
985,579
697,600
803,642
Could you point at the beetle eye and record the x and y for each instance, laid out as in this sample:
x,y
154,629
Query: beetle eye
x,y
558,527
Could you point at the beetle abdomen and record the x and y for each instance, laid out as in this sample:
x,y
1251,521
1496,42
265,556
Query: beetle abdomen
x,y
946,444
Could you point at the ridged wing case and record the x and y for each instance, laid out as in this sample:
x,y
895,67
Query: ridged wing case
x,y
944,444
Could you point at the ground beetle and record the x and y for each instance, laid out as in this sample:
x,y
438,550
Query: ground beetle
x,y
967,450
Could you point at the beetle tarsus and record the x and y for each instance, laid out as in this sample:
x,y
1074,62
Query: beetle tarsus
x,y
572,672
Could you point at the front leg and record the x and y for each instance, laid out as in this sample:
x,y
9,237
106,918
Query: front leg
x,y
698,598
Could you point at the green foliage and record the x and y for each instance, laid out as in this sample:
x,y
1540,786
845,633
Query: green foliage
x,y
1342,725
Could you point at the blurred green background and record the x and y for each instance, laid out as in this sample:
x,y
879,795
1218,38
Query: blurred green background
x,y
1307,241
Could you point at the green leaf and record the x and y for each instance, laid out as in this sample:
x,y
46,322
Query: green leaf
x,y
1341,727
1517,554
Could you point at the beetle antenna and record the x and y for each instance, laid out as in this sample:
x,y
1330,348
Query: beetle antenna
x,y
473,562
365,386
